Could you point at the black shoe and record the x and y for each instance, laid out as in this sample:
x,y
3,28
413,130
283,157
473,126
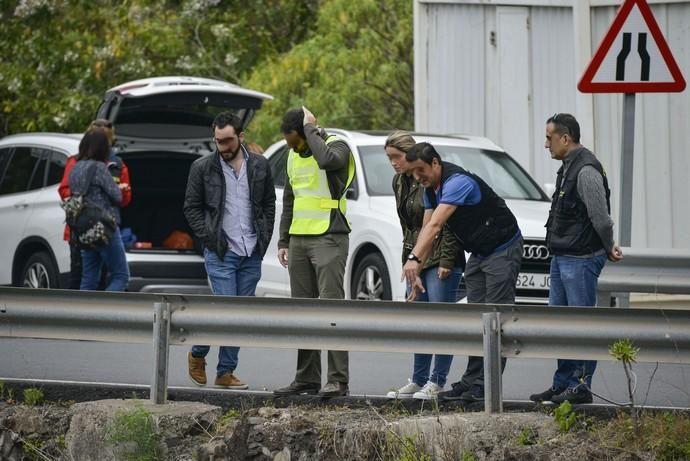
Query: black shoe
x,y
546,395
574,395
454,393
473,394
296,388
334,390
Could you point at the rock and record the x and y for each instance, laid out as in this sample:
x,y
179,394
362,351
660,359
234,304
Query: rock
x,y
283,455
174,427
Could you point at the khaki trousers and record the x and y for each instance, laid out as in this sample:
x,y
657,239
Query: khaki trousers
x,y
316,265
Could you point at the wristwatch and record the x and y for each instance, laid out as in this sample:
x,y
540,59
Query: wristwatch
x,y
413,257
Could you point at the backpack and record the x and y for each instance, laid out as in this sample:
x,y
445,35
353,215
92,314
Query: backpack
x,y
93,225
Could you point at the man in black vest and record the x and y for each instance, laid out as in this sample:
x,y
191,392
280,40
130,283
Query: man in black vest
x,y
484,226
579,234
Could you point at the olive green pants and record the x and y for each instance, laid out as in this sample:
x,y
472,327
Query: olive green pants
x,y
316,265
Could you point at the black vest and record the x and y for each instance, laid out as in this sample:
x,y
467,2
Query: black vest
x,y
568,229
483,227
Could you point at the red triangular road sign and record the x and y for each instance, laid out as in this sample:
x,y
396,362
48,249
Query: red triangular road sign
x,y
627,61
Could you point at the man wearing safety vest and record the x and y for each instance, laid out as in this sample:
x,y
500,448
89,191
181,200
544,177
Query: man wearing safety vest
x,y
314,239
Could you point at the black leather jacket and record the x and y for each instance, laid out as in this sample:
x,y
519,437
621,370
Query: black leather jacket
x,y
204,201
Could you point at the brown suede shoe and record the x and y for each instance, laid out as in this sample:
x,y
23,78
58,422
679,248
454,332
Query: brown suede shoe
x,y
197,369
230,381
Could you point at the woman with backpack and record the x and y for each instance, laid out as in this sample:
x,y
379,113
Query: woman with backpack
x,y
102,244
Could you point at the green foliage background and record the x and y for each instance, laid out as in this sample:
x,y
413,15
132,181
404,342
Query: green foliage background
x,y
349,62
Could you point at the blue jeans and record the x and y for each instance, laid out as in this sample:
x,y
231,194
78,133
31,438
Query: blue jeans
x,y
114,259
437,291
574,283
234,275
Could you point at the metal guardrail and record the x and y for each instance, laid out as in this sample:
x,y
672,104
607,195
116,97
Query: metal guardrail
x,y
463,329
646,270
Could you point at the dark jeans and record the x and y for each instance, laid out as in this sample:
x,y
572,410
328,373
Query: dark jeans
x,y
74,262
114,259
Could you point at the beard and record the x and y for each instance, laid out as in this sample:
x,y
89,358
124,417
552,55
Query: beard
x,y
229,155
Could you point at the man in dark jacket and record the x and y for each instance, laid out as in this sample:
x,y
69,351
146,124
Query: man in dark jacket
x,y
230,206
485,227
579,234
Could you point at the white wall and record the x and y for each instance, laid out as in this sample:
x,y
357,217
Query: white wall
x,y
501,69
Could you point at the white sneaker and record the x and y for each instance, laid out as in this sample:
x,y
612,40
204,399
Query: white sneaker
x,y
404,392
429,391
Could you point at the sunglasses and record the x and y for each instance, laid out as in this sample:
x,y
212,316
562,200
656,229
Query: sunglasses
x,y
224,141
562,122
102,125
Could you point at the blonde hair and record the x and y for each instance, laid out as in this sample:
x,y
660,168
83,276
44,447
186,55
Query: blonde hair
x,y
401,140
106,126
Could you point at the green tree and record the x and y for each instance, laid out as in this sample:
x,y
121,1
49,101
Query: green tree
x,y
354,71
59,57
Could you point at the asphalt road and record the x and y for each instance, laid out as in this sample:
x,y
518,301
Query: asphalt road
x,y
266,369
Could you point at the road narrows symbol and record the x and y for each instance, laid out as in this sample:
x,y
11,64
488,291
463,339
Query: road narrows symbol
x,y
644,56
622,56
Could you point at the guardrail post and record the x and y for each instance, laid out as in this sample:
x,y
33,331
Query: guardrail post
x,y
493,400
161,338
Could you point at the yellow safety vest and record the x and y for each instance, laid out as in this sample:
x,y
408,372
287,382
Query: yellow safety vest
x,y
311,210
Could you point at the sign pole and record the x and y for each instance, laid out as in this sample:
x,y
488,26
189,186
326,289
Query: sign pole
x,y
626,180
626,176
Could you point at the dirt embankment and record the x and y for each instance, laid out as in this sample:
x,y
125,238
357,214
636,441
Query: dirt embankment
x,y
136,430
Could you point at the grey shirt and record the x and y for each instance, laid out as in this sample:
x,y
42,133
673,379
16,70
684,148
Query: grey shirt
x,y
590,188
238,220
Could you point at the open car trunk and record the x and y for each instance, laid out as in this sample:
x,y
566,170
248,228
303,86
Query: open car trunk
x,y
159,181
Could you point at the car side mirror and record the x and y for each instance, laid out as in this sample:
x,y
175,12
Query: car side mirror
x,y
549,188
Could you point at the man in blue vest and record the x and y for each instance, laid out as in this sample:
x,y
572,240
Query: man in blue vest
x,y
579,234
314,236
484,226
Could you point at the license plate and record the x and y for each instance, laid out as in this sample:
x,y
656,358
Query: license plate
x,y
532,281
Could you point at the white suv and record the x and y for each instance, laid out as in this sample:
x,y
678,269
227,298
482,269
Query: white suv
x,y
162,125
374,263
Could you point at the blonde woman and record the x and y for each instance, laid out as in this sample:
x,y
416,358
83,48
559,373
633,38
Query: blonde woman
x,y
440,275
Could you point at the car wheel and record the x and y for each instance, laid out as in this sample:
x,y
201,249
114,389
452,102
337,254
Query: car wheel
x,y
39,272
370,280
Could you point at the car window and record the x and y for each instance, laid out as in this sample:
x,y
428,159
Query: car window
x,y
20,170
56,166
278,163
498,169
5,156
36,181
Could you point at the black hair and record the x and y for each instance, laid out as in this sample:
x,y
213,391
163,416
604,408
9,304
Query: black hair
x,y
293,120
422,151
94,146
565,124
227,118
